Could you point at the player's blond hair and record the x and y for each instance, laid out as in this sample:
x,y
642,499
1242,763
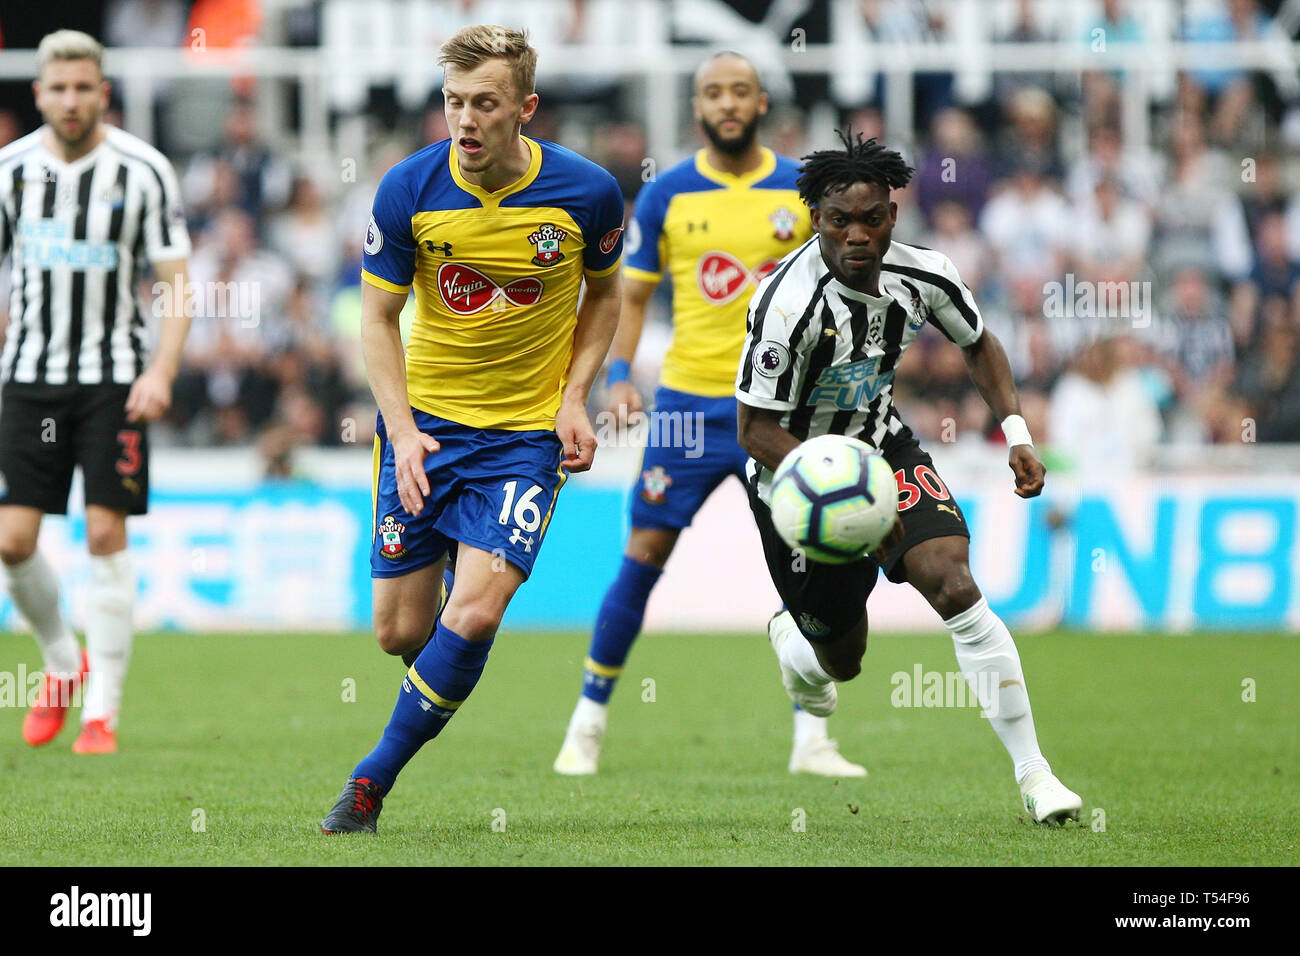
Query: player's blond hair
x,y
68,45
473,45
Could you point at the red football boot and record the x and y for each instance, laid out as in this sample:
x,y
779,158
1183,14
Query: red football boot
x,y
45,718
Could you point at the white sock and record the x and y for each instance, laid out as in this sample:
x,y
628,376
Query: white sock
x,y
589,711
797,655
988,658
807,728
108,634
35,591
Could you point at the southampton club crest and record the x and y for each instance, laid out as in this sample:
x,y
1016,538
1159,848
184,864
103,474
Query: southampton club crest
x,y
391,531
657,482
547,240
783,223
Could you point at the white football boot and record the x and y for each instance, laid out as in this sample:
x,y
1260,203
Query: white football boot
x,y
818,699
580,751
822,757
1048,800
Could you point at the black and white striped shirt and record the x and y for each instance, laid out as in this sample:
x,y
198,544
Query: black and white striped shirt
x,y
80,234
825,354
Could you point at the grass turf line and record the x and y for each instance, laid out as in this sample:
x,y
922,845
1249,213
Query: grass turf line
x,y
255,732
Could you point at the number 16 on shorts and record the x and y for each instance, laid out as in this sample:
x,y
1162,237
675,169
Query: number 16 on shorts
x,y
521,511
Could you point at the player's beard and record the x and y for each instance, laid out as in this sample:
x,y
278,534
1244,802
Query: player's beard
x,y
89,126
736,144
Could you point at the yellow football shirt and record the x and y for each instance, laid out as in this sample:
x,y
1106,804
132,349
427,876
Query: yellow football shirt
x,y
717,235
496,277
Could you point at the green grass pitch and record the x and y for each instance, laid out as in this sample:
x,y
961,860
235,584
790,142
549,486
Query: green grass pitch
x,y
234,747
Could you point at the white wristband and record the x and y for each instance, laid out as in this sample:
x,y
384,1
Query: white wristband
x,y
1016,431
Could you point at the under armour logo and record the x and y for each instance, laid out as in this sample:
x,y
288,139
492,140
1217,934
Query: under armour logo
x,y
444,248
518,538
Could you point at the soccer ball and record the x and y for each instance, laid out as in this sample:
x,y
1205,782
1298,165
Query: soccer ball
x,y
834,498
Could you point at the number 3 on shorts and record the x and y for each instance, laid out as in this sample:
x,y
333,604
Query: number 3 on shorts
x,y
131,458
527,515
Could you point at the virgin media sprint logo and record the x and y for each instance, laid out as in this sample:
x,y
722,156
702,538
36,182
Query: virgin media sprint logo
x,y
722,277
465,290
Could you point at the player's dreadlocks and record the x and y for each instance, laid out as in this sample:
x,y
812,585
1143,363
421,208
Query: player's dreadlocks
x,y
832,170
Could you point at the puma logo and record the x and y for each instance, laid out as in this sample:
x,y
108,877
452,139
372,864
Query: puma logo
x,y
949,508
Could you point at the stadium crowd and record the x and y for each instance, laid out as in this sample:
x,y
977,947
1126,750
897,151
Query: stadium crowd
x,y
1143,296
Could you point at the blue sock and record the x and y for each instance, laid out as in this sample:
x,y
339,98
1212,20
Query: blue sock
x,y
617,626
435,686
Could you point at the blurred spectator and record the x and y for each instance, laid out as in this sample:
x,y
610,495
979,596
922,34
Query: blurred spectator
x,y
1102,421
1107,159
1192,334
1267,193
1230,92
911,21
621,148
954,233
1275,277
1115,27
1026,223
1268,381
1111,236
1030,134
239,303
308,365
276,446
305,234
263,178
227,23
145,23
1199,222
955,167
785,132
1027,29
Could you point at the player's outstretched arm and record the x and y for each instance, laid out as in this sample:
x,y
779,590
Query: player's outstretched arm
x,y
991,373
151,394
622,398
597,322
760,434
381,346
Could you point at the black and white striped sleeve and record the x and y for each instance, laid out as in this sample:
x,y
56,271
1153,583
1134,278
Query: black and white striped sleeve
x,y
165,233
952,306
780,335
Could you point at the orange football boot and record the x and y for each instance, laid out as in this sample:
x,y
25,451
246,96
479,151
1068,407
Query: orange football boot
x,y
45,718
96,738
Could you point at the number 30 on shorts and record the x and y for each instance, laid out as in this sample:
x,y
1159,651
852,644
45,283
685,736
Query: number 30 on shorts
x,y
923,477
528,517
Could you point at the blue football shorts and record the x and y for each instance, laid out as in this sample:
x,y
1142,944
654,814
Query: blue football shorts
x,y
691,449
488,488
